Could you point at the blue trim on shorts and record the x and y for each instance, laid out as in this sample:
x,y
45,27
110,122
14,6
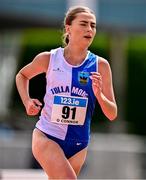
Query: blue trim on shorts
x,y
70,148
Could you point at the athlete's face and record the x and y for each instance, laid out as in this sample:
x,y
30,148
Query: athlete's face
x,y
82,30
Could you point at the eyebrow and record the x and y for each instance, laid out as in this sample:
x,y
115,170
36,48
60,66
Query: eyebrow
x,y
83,21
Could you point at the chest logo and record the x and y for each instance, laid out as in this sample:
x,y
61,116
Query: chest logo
x,y
83,77
58,70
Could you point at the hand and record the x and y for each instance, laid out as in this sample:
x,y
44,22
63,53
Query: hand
x,y
96,83
33,107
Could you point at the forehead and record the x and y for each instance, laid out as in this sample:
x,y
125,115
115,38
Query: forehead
x,y
85,16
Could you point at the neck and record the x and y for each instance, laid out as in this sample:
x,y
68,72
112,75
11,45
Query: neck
x,y
74,56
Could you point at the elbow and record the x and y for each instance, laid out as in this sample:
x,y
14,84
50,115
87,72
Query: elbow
x,y
17,77
112,116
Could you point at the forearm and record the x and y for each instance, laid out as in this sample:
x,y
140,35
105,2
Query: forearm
x,y
108,107
22,84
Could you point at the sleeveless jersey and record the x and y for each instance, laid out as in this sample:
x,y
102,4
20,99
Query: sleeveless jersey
x,y
69,98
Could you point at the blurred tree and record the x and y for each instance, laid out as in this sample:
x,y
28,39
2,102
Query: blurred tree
x,y
136,86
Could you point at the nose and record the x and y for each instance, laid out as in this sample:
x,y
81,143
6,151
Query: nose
x,y
89,28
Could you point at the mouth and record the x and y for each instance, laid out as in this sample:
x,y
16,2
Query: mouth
x,y
88,37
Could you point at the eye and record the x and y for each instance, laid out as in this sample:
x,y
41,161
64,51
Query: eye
x,y
83,24
93,26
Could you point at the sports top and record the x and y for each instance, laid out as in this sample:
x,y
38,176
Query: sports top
x,y
69,101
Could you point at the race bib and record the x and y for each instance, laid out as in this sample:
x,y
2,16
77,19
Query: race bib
x,y
69,110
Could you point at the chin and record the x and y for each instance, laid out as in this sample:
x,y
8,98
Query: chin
x,y
88,43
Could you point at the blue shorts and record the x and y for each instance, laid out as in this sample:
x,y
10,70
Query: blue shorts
x,y
69,148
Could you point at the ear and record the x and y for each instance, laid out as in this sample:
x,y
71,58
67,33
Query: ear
x,y
67,29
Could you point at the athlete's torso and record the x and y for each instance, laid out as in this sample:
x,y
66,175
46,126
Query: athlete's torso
x,y
66,83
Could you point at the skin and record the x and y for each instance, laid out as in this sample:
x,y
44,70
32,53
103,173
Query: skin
x,y
83,30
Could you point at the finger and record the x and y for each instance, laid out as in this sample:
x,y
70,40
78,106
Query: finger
x,y
37,102
35,108
96,80
33,112
95,73
96,76
95,83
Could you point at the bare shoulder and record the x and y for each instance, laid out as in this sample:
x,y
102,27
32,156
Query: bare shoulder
x,y
103,62
44,54
37,66
42,59
103,65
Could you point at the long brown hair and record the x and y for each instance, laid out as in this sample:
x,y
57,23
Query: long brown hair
x,y
70,16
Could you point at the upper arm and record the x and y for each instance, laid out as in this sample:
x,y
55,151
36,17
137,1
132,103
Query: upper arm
x,y
106,74
39,65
